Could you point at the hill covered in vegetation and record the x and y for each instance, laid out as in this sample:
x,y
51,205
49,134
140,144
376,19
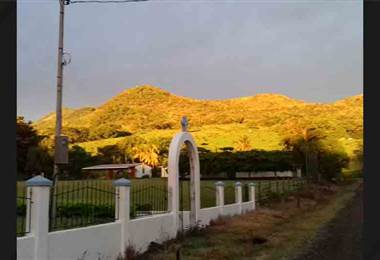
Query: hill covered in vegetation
x,y
151,112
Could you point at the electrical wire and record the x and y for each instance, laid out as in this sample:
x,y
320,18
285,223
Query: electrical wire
x,y
102,1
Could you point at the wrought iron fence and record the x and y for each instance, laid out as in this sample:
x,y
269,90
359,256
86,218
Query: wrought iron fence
x,y
245,192
208,195
148,198
82,203
89,202
23,219
229,194
263,190
266,190
184,194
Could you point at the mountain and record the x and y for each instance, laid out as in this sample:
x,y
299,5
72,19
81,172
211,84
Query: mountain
x,y
148,108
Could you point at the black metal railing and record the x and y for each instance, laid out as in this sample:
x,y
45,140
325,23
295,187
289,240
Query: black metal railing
x,y
184,194
89,202
148,197
23,219
266,190
245,192
229,194
82,203
208,195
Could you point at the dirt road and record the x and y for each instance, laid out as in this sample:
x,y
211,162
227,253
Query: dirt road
x,y
340,238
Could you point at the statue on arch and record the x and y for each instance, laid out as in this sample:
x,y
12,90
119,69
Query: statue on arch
x,y
184,124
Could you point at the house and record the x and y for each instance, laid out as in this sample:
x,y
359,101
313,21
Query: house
x,y
112,171
164,172
143,171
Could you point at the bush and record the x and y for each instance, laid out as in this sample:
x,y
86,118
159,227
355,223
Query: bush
x,y
144,207
331,164
139,207
21,210
86,210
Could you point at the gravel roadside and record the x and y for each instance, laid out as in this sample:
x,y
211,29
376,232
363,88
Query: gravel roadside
x,y
341,238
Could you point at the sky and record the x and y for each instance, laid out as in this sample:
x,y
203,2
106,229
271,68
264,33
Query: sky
x,y
309,50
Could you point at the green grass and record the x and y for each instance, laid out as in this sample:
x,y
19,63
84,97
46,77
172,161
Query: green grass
x,y
302,228
211,137
214,137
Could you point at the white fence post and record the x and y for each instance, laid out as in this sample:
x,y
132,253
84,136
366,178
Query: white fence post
x,y
28,209
220,196
252,195
238,195
39,222
123,209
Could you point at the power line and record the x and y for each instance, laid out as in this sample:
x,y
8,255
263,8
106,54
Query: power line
x,y
100,1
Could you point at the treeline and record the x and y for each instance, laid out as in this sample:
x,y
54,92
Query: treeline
x,y
83,134
35,153
319,155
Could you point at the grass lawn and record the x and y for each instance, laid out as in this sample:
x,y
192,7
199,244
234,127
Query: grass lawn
x,y
214,137
275,231
211,137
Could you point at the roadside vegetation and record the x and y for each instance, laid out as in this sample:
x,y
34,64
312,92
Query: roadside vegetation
x,y
277,230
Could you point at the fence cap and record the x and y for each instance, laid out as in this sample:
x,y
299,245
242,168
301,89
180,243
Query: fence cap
x,y
38,181
219,183
122,182
238,184
252,184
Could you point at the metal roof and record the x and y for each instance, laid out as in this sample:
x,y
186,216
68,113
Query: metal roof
x,y
111,166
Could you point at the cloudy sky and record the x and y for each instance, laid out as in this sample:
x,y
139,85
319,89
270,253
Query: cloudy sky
x,y
310,50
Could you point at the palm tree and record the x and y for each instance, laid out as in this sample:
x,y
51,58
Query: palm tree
x,y
305,145
128,144
147,153
243,144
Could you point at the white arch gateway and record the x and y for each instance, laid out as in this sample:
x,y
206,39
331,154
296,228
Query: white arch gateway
x,y
184,137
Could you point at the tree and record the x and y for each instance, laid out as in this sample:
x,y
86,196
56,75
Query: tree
x,y
163,149
331,164
321,155
127,145
243,144
26,138
147,153
39,161
358,156
110,154
78,159
108,130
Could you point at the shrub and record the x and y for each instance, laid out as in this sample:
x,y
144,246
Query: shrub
x,y
21,210
86,210
144,207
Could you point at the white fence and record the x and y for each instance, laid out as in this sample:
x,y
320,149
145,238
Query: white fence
x,y
107,241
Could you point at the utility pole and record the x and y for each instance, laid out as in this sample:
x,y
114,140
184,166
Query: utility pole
x,y
61,142
58,120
